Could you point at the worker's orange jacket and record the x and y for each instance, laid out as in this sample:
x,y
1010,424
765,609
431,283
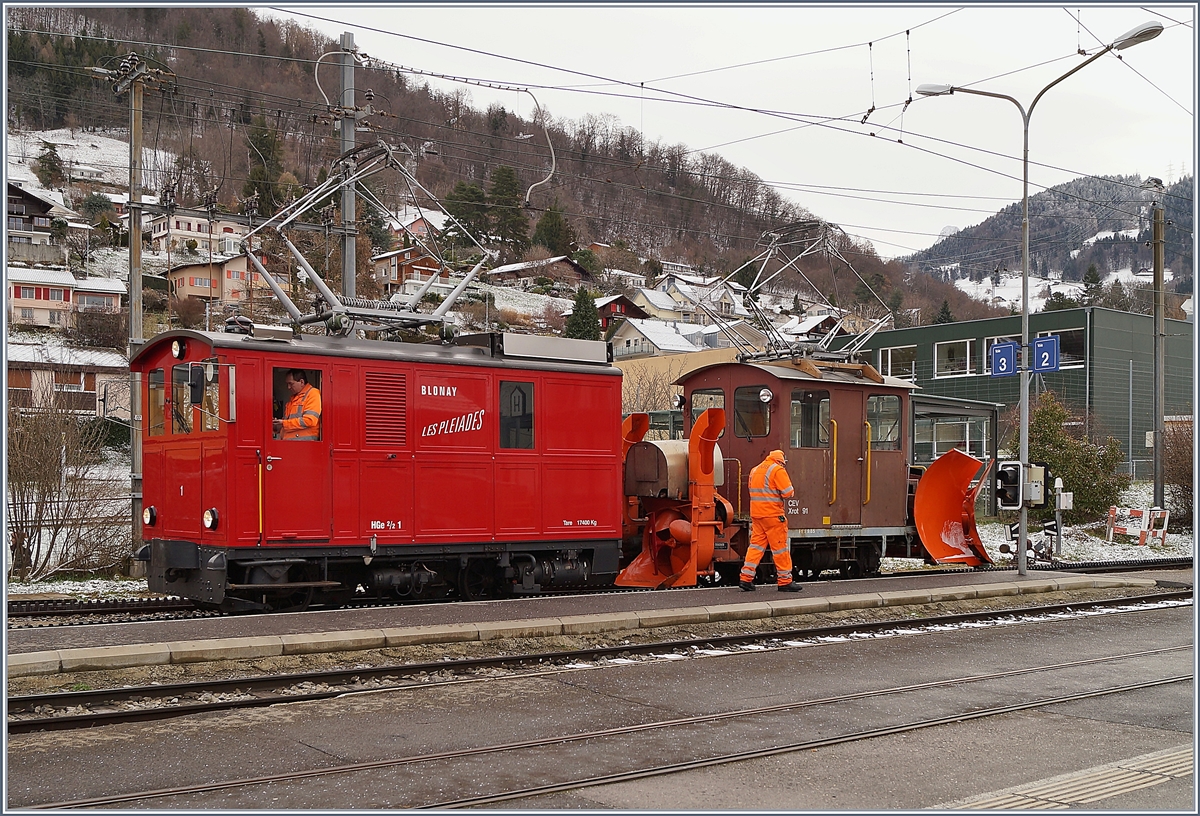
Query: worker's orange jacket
x,y
302,416
770,485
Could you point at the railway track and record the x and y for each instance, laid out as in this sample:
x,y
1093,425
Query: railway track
x,y
85,709
680,724
32,612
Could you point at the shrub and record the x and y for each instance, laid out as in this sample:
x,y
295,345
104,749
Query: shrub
x,y
1177,473
1089,470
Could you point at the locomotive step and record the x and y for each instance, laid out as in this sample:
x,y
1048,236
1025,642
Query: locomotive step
x,y
288,585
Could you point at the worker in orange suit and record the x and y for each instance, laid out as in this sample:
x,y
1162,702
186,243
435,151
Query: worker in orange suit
x,y
302,415
770,485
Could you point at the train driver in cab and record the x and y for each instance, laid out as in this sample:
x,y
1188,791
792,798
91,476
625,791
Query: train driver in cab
x,y
302,415
770,485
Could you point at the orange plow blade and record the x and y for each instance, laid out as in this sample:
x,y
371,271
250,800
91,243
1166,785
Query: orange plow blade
x,y
944,510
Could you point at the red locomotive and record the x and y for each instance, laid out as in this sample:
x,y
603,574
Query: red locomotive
x,y
496,465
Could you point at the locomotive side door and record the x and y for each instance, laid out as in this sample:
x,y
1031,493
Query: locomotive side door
x,y
847,440
296,462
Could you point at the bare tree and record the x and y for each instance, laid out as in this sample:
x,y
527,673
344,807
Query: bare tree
x,y
63,515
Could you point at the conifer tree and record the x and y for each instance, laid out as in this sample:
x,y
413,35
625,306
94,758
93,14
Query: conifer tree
x,y
554,232
584,322
943,315
509,225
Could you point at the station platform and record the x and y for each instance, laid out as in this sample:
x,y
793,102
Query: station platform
x,y
51,650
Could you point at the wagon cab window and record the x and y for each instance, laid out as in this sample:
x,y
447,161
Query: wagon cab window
x,y
751,416
810,419
181,399
156,403
210,408
516,415
883,413
705,398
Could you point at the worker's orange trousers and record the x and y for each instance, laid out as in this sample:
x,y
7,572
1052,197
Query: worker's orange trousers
x,y
763,532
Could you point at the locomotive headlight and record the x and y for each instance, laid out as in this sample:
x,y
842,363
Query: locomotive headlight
x,y
765,395
210,518
178,349
149,516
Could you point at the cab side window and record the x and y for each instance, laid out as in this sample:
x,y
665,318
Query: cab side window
x,y
883,414
156,403
296,408
181,399
705,398
810,419
751,416
516,415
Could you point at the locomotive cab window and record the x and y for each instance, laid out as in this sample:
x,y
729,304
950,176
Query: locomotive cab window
x,y
705,398
296,404
751,416
883,414
210,405
810,419
181,399
156,403
516,415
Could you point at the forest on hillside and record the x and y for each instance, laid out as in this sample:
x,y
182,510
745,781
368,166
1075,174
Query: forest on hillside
x,y
243,114
1061,220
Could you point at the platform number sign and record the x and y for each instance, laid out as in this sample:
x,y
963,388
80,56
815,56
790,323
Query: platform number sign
x,y
1004,359
1045,353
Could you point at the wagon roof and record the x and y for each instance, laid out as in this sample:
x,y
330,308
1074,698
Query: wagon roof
x,y
784,370
350,347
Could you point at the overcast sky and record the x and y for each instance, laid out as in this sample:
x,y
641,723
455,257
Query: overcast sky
x,y
783,89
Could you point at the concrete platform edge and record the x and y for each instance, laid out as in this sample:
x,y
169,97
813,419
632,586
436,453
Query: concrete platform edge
x,y
120,657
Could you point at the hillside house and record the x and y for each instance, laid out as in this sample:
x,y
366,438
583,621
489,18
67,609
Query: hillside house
x,y
393,268
227,280
43,371
52,297
418,222
651,338
172,232
613,309
28,230
560,269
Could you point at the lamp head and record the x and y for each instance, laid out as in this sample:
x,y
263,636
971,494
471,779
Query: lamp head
x,y
1144,32
934,90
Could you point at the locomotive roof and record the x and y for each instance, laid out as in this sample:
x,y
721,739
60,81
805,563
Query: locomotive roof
x,y
488,355
785,371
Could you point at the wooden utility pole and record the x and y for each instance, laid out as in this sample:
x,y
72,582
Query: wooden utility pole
x,y
131,77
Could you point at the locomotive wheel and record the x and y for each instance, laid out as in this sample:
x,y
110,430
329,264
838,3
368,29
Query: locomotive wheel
x,y
297,600
480,580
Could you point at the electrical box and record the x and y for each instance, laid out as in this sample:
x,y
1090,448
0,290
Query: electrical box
x,y
1064,501
1035,484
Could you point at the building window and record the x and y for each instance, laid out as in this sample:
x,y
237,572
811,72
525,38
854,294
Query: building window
x,y
41,221
952,359
27,314
56,294
810,419
1072,347
55,318
987,350
28,292
899,362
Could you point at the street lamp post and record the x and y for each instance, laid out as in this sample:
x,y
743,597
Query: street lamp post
x,y
1144,32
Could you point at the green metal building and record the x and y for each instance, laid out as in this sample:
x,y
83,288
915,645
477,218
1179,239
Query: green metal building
x,y
1106,373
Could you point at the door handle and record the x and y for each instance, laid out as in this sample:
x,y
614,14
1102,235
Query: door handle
x,y
274,458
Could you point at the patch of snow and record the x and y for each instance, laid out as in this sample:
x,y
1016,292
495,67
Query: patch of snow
x,y
108,154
